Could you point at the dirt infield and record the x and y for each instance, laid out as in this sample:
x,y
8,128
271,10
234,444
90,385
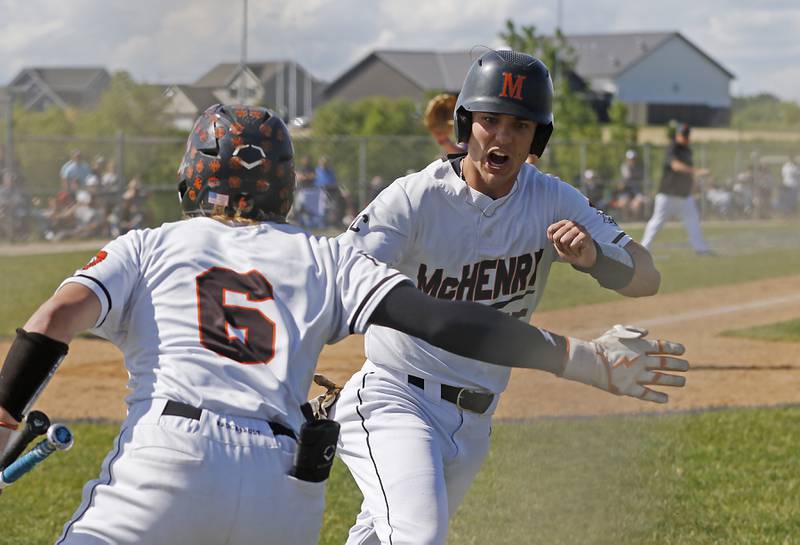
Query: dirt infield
x,y
725,371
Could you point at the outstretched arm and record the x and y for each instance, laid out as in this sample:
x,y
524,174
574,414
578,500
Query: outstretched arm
x,y
39,348
621,361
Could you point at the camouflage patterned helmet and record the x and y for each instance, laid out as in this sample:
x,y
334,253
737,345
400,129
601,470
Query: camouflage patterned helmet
x,y
239,161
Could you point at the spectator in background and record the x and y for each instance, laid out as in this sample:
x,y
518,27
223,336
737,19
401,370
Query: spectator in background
x,y
304,172
627,197
95,176
309,206
593,188
790,186
75,169
674,197
88,220
376,185
325,177
14,209
131,212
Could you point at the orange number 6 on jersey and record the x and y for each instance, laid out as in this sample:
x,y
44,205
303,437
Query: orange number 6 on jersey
x,y
243,334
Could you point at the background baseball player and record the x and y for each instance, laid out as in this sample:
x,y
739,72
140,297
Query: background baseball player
x,y
221,320
483,226
674,197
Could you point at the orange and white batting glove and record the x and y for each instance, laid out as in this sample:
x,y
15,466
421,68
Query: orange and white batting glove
x,y
623,362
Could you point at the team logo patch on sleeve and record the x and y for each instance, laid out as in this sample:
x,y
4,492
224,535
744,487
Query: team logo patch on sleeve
x,y
100,256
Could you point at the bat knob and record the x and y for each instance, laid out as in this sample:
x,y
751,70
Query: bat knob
x,y
60,437
38,422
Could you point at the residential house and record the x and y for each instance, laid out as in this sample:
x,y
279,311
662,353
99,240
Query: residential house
x,y
64,87
283,86
660,76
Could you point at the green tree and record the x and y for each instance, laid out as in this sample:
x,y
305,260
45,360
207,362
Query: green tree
x,y
45,139
126,106
574,118
620,130
765,111
387,133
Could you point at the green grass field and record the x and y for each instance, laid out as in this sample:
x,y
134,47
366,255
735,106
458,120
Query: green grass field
x,y
748,252
788,331
729,477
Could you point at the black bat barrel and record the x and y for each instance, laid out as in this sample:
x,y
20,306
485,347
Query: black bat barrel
x,y
36,424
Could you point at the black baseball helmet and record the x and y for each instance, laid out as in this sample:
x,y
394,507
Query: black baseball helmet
x,y
239,161
507,82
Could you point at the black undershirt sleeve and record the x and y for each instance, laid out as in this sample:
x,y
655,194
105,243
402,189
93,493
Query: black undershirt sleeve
x,y
470,330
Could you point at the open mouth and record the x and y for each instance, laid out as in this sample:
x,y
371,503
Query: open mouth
x,y
497,158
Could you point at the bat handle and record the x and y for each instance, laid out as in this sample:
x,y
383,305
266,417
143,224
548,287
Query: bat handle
x,y
58,438
36,424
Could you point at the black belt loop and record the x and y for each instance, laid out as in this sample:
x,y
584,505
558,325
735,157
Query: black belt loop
x,y
471,400
176,408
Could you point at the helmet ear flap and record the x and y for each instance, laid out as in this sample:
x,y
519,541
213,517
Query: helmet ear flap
x,y
182,187
463,124
540,138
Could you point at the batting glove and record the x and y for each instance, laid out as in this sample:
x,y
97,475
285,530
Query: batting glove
x,y
623,362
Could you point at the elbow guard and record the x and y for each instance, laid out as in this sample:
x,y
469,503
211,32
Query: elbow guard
x,y
613,268
31,361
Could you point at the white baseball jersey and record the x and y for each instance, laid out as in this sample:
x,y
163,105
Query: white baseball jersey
x,y
230,319
457,243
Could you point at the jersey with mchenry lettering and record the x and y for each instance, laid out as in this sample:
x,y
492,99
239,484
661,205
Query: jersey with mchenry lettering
x,y
457,243
197,304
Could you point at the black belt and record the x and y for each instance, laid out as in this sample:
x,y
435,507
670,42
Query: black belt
x,y
464,398
176,408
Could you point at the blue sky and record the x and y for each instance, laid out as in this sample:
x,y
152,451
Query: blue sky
x,y
165,41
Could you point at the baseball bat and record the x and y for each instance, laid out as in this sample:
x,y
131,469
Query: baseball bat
x,y
36,424
58,438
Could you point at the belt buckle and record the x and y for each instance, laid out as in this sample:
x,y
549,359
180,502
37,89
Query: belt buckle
x,y
480,400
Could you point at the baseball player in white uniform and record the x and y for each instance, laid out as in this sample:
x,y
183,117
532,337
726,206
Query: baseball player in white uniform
x,y
674,197
221,318
481,226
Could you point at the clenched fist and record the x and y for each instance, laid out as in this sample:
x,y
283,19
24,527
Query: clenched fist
x,y
572,243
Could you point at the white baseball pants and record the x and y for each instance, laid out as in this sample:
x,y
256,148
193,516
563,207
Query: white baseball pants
x,y
174,480
412,454
670,206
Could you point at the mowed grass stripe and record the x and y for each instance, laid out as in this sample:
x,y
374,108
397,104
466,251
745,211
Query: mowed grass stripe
x,y
728,477
788,331
29,280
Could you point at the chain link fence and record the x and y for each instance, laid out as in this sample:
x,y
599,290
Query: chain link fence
x,y
357,161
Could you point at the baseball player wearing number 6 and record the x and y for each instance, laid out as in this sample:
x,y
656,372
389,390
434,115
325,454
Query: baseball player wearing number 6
x,y
480,226
221,318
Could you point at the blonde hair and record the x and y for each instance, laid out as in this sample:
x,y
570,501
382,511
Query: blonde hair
x,y
219,213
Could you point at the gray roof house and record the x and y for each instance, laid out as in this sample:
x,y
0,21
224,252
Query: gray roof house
x,y
64,87
283,86
660,76
401,74
186,102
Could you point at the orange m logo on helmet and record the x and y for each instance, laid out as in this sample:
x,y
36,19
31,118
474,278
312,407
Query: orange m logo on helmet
x,y
512,87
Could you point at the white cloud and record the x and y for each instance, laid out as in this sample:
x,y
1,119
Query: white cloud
x,y
179,40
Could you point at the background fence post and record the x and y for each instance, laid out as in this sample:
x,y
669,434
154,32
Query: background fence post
x,y
362,173
120,154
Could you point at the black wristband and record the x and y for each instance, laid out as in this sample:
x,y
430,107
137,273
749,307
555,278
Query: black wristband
x,y
30,362
609,272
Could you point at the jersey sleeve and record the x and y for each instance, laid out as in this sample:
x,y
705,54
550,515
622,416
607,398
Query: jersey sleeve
x,y
362,282
572,204
383,228
111,274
